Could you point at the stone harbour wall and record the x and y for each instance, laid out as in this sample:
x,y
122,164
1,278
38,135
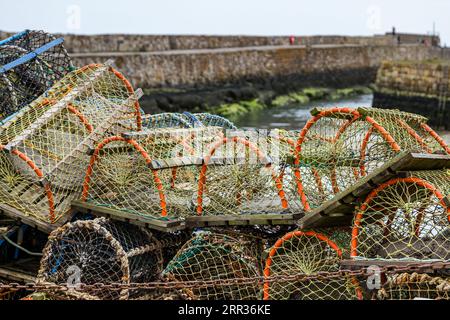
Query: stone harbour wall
x,y
148,43
413,77
416,86
323,64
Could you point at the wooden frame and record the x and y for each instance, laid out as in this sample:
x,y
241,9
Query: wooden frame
x,y
339,210
139,220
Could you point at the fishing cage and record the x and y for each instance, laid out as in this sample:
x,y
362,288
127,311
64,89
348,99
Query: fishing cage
x,y
165,120
151,173
210,120
405,218
177,173
30,63
216,257
44,147
244,174
339,146
414,286
310,254
100,251
185,120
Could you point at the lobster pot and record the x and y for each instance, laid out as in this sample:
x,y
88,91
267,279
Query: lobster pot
x,y
184,172
30,63
279,145
165,120
414,286
405,218
185,120
410,131
23,192
210,120
238,176
340,146
307,253
100,251
47,142
152,173
219,259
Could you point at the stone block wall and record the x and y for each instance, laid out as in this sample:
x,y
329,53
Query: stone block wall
x,y
421,87
150,43
413,77
206,67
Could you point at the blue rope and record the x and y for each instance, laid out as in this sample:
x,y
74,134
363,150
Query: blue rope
x,y
31,55
24,228
59,259
9,234
193,119
3,121
14,37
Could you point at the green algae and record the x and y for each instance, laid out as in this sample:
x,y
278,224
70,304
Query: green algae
x,y
239,109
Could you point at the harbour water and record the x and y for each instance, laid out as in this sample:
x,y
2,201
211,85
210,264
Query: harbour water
x,y
294,117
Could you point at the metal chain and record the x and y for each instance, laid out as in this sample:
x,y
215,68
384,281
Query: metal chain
x,y
412,267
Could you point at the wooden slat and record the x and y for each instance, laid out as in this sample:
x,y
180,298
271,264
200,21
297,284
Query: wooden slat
x,y
244,219
136,219
96,135
16,275
61,104
357,264
30,220
175,162
339,210
172,132
23,270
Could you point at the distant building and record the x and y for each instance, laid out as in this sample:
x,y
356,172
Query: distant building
x,y
414,38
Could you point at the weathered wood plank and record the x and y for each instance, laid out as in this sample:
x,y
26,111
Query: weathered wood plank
x,y
170,132
345,201
16,275
136,219
244,219
357,264
19,216
57,107
175,162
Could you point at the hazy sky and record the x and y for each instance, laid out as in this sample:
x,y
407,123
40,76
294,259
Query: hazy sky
x,y
250,17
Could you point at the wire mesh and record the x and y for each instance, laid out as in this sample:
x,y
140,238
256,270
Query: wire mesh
x,y
44,147
165,120
93,251
212,120
339,146
213,256
152,175
27,79
309,253
415,286
405,218
183,172
180,120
